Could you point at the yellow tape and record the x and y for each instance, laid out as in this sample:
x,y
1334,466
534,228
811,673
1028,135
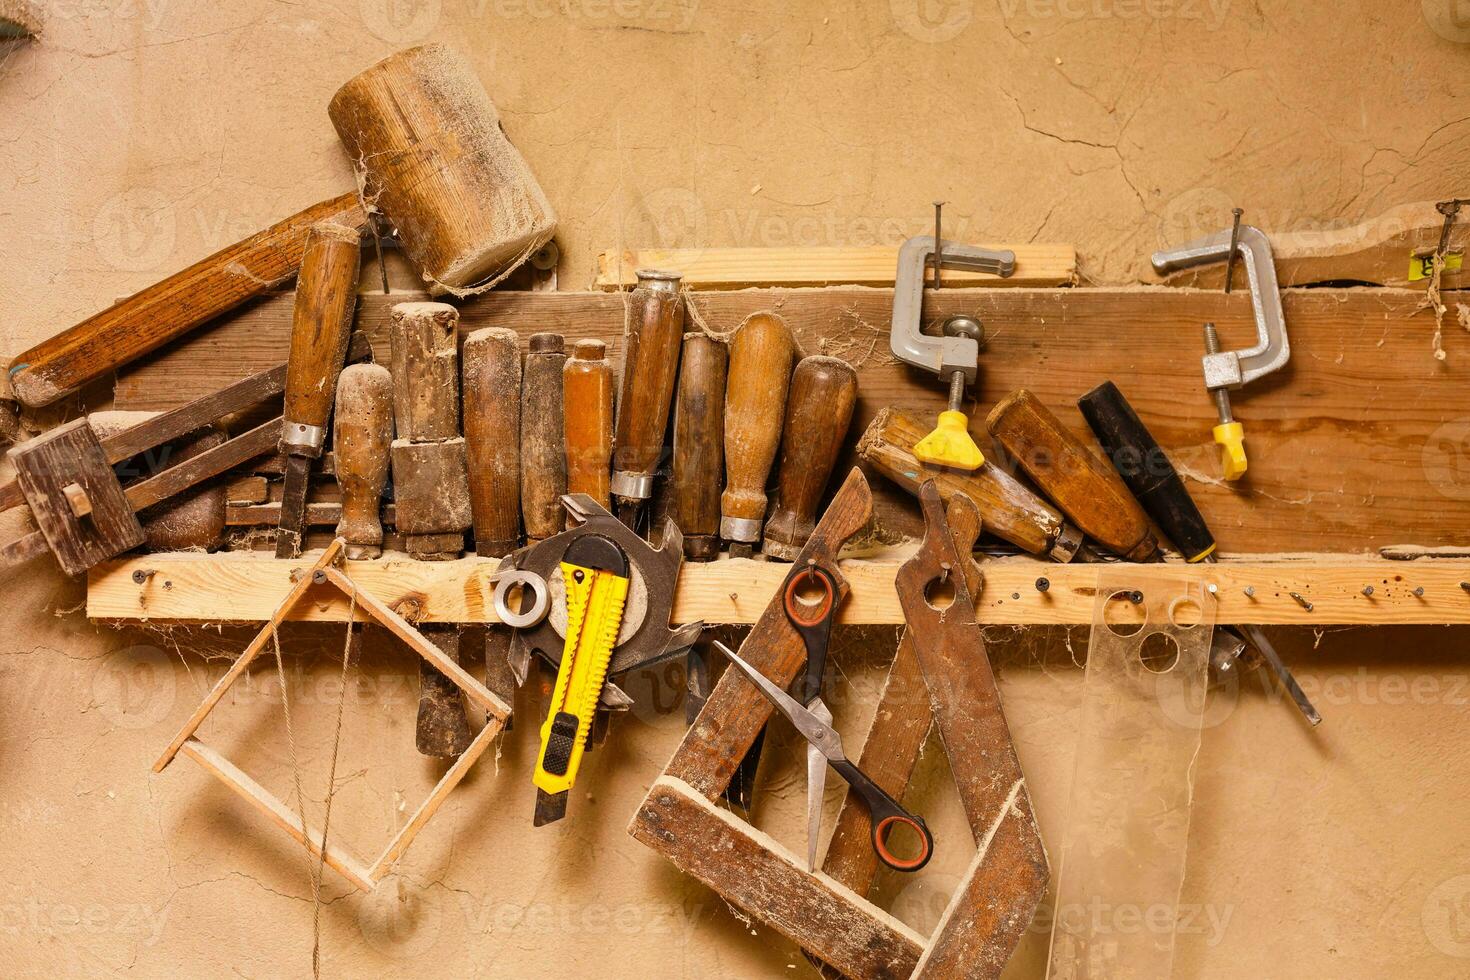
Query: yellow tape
x,y
1422,266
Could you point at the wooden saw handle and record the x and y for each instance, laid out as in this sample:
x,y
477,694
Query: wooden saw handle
x,y
144,321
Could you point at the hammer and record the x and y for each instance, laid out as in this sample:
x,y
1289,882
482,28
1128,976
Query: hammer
x,y
426,143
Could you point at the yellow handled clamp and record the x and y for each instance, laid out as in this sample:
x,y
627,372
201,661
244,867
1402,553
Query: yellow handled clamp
x,y
595,572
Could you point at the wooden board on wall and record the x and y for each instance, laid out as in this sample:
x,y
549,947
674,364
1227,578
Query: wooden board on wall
x,y
1360,441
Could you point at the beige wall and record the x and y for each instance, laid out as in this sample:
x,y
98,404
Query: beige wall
x,y
142,134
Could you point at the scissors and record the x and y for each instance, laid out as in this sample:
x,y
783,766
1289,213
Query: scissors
x,y
813,623
884,811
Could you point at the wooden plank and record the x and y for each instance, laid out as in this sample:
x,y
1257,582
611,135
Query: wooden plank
x,y
277,812
244,587
210,463
1381,250
750,869
1351,445
859,265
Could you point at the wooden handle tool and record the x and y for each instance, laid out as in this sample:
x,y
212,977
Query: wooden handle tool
x,y
1009,510
818,412
587,412
699,445
362,432
651,338
492,433
326,297
147,320
443,728
543,438
1077,479
761,353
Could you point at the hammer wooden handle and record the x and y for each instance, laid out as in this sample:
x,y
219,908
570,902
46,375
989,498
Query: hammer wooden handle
x,y
1007,509
699,446
326,295
761,353
587,412
818,412
104,342
1078,480
492,434
362,431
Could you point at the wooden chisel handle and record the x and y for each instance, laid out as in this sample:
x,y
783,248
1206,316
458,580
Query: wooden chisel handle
x,y
761,353
655,326
121,333
326,297
492,434
543,439
1007,508
818,412
1079,481
362,431
587,412
699,446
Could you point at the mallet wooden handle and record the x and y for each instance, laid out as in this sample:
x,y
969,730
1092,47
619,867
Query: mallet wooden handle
x,y
1079,480
144,321
761,353
492,433
587,400
543,439
362,431
699,446
655,326
818,412
1007,509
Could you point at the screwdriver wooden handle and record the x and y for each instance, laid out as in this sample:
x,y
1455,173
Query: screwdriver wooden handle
x,y
543,438
1007,509
651,336
761,353
1078,480
326,297
492,433
587,420
1147,470
362,431
190,298
699,446
818,412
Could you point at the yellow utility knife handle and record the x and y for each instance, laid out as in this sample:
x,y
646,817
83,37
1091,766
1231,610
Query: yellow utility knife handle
x,y
595,599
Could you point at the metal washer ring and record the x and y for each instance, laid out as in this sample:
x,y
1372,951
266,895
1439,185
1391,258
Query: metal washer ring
x,y
506,581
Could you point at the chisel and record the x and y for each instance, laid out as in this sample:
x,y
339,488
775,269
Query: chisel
x,y
362,431
1151,476
587,400
654,328
761,353
326,295
543,438
818,412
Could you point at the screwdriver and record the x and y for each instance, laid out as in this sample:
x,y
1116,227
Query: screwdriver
x,y
652,337
1142,464
326,294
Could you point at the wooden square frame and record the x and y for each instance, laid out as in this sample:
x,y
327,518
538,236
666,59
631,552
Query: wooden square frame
x,y
328,570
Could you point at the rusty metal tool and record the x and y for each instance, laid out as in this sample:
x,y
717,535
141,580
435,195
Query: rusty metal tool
x,y
1009,875
1150,474
82,511
761,354
651,337
326,297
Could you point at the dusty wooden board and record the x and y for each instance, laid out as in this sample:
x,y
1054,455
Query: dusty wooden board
x,y
1355,444
247,587
1387,249
868,265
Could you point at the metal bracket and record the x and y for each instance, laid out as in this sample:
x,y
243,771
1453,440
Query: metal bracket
x,y
1231,369
942,355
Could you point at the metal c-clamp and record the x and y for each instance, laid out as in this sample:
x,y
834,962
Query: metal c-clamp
x,y
1225,370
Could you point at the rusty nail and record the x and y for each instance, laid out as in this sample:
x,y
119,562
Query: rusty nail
x,y
1301,601
1042,584
142,575
1419,592
1368,591
1250,591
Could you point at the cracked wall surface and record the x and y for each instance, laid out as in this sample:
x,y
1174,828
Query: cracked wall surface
x,y
140,135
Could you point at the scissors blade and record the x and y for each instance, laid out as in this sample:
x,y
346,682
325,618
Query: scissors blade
x,y
816,786
817,732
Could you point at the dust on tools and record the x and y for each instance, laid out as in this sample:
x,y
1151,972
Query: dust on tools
x,y
825,743
1225,371
955,354
595,577
1149,473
